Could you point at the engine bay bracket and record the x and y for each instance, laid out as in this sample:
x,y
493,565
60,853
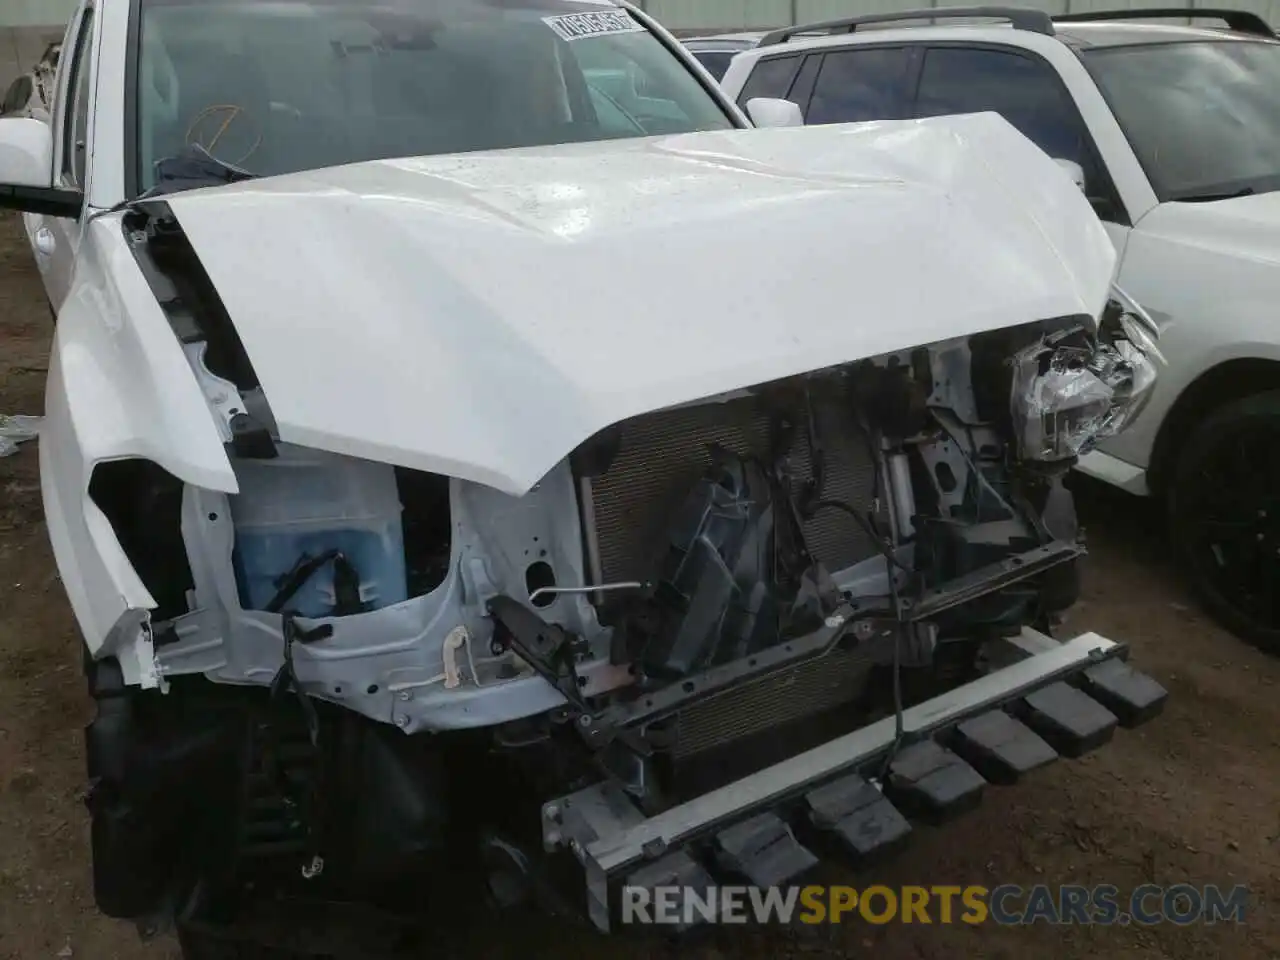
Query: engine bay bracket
x,y
990,578
600,729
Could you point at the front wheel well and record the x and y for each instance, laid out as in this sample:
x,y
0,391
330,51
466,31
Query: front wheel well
x,y
143,503
1227,382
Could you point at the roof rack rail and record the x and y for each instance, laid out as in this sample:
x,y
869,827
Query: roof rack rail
x,y
1242,21
1020,18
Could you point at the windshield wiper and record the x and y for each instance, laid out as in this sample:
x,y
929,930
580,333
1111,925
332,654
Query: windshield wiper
x,y
193,167
1210,197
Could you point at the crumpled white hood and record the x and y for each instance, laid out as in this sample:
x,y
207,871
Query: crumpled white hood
x,y
481,315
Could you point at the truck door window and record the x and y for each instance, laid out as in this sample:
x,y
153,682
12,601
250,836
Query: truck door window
x,y
866,83
76,119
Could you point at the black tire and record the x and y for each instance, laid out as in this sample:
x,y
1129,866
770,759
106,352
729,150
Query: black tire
x,y
1224,516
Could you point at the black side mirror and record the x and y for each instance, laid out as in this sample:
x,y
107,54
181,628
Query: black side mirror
x,y
50,201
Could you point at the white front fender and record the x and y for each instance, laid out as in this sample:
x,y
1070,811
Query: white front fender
x,y
119,387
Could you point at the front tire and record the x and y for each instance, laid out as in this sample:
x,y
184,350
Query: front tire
x,y
1224,516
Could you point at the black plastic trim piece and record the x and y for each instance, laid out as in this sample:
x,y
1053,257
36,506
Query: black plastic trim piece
x,y
1241,21
49,201
1020,18
163,250
994,576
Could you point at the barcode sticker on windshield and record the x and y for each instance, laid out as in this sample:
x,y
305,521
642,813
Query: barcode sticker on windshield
x,y
575,26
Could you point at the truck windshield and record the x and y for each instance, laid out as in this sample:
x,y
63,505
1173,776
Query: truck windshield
x,y
276,86
1203,117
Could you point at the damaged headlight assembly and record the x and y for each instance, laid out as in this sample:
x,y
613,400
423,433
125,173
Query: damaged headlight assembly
x,y
1078,385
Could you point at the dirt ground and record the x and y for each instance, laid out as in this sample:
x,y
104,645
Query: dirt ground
x,y
1193,797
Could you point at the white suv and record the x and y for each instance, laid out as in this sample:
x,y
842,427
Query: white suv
x,y
1177,133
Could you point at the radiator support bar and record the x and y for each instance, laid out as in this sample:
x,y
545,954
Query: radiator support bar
x,y
600,729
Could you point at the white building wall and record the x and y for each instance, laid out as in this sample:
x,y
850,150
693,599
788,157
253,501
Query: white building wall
x,y
35,13
26,28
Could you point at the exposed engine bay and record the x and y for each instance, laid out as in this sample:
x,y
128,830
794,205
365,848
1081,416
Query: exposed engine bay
x,y
665,546
690,597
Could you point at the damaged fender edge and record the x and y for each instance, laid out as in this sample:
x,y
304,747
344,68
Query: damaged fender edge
x,y
113,354
130,642
128,636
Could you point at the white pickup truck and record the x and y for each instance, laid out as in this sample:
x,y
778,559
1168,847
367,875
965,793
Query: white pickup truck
x,y
465,462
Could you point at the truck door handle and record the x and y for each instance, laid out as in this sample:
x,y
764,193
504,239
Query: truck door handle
x,y
46,243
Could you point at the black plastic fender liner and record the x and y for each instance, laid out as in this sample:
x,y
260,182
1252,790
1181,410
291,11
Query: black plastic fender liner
x,y
125,883
397,808
153,797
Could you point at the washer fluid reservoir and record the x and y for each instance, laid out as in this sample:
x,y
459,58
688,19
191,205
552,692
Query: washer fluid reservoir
x,y
320,528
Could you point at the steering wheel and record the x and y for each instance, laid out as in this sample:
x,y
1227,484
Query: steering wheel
x,y
208,126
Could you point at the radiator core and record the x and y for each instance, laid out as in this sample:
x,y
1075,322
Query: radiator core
x,y
814,686
662,455
660,458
